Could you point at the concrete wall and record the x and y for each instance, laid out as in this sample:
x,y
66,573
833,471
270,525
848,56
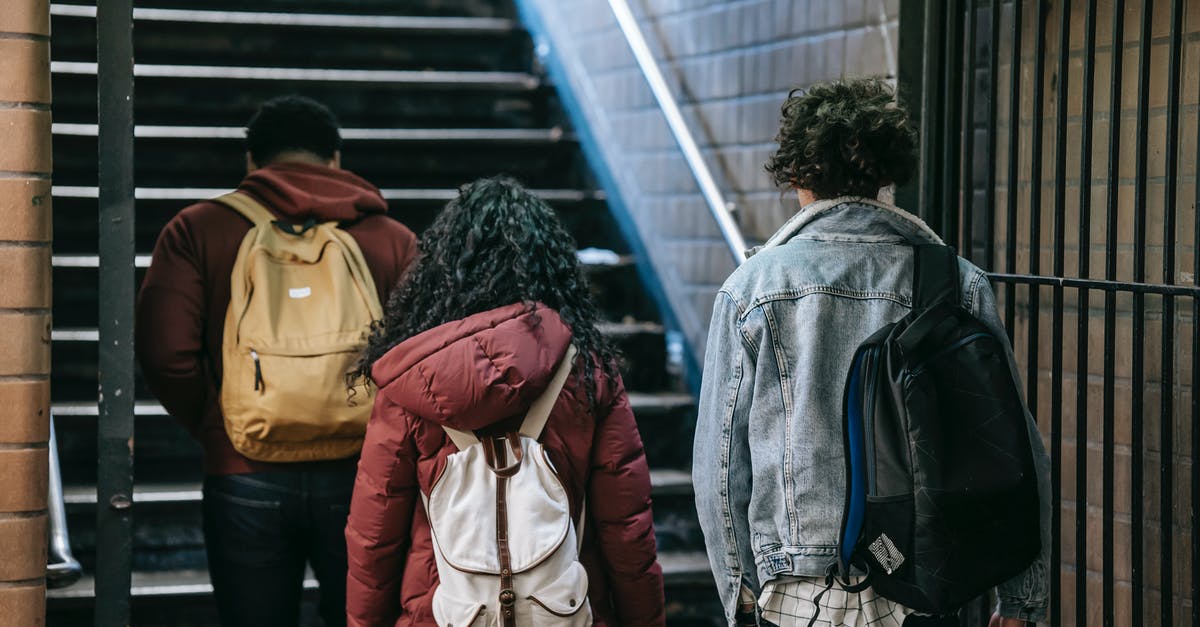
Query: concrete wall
x,y
24,307
730,64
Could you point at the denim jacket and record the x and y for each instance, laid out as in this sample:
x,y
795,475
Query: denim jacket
x,y
768,463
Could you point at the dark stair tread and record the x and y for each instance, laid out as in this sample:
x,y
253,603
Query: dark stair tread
x,y
508,135
404,23
153,584
519,81
641,402
612,329
71,260
195,194
679,568
662,481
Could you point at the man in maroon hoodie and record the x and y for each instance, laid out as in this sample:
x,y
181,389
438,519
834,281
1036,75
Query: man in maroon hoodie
x,y
263,522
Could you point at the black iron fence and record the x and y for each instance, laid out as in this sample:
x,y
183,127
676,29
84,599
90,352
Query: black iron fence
x,y
1060,149
114,479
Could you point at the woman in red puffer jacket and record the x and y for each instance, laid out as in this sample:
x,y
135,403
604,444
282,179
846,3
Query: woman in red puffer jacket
x,y
469,340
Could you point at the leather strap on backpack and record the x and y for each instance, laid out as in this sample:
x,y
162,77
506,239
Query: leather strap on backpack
x,y
935,275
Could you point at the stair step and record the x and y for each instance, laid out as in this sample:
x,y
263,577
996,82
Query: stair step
x,y
391,159
195,194
450,8
75,353
472,135
407,23
662,481
301,39
205,95
516,81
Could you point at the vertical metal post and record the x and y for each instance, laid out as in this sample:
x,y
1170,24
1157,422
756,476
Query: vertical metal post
x,y
1035,205
993,109
1110,308
1014,159
911,81
1139,311
1056,341
1082,365
114,486
948,187
1167,423
967,186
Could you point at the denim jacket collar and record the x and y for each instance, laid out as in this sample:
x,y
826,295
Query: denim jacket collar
x,y
896,219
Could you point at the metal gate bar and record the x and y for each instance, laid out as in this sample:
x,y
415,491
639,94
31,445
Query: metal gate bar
x,y
1110,309
1083,320
1130,301
1167,385
1139,307
114,479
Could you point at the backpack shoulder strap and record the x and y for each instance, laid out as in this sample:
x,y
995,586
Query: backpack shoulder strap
x,y
539,411
935,275
251,209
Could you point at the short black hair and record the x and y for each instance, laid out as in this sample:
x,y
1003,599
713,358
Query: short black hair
x,y
844,138
292,123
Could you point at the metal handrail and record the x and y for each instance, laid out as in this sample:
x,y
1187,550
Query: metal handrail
x,y
691,152
62,569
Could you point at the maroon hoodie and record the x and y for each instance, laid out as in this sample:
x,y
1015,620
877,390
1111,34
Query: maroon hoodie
x,y
481,373
182,302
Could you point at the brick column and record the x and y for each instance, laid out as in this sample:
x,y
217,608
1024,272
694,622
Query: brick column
x,y
25,231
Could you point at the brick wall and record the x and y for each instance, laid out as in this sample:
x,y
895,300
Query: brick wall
x,y
730,64
1127,498
24,307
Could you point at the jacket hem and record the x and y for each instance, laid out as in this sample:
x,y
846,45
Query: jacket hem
x,y
809,560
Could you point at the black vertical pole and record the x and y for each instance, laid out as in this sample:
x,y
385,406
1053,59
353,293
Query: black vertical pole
x,y
1167,424
1110,307
1082,365
1014,171
967,187
1056,341
1139,312
947,181
114,484
993,109
1035,205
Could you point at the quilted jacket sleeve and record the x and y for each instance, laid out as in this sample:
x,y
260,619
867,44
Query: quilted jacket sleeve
x,y
381,514
619,501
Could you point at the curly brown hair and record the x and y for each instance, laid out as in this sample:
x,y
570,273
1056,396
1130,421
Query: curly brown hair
x,y
844,138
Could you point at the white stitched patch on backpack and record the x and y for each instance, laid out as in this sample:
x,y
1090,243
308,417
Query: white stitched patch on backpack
x,y
300,292
886,553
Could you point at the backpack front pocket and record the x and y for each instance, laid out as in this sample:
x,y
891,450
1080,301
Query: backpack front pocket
x,y
451,612
564,602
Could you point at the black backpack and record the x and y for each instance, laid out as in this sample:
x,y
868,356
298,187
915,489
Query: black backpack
x,y
942,496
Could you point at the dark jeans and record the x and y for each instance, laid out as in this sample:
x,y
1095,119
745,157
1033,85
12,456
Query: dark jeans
x,y
260,530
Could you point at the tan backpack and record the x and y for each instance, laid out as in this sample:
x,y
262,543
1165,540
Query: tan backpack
x,y
300,310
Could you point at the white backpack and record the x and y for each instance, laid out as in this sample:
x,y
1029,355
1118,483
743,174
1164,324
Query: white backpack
x,y
507,551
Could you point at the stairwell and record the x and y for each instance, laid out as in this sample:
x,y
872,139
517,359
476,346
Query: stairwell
x,y
431,94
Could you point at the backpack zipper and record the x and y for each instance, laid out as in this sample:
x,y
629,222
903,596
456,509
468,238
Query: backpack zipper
x,y
869,418
258,378
953,347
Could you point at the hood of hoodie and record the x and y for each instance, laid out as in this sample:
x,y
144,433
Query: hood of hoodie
x,y
299,191
475,372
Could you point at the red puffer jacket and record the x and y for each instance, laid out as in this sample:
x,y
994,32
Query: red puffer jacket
x,y
481,374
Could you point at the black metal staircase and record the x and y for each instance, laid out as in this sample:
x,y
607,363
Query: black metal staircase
x,y
432,94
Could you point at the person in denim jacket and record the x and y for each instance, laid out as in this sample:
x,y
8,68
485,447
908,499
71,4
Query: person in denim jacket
x,y
769,469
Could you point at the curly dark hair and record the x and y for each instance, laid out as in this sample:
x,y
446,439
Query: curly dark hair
x,y
494,245
292,123
844,138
